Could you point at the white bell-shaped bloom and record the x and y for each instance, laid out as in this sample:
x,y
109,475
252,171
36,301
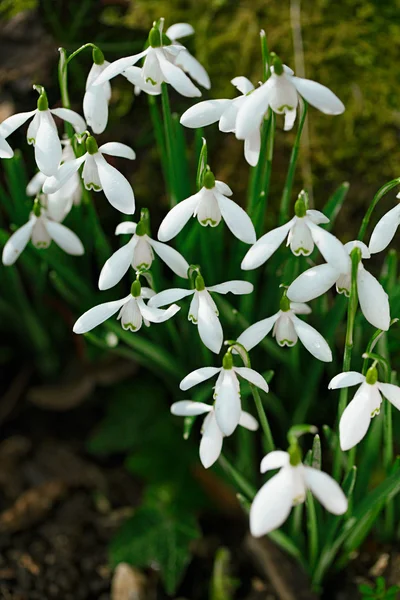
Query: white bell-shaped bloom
x,y
41,230
97,97
133,311
211,436
374,301
302,233
59,204
159,66
227,407
281,93
365,405
98,174
5,149
225,111
274,501
184,59
209,205
43,134
385,230
287,328
138,253
203,311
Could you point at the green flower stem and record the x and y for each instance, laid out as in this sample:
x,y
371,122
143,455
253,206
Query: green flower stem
x,y
243,485
88,45
159,136
169,143
378,196
312,526
351,315
287,190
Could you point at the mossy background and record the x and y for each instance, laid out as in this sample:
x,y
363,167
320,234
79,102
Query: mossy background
x,y
349,45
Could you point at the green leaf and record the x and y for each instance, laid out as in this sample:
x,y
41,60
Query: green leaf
x,y
157,537
334,204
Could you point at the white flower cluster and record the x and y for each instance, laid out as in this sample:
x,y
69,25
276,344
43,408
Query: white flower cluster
x,y
58,186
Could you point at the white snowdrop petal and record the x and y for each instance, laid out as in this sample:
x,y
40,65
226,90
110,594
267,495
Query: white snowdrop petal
x,y
63,174
157,315
264,248
236,286
318,96
47,145
116,187
211,441
312,283
204,113
198,376
5,149
299,308
116,67
191,65
177,217
17,243
252,147
385,230
177,78
365,253
169,296
179,30
117,149
242,84
116,266
374,301
227,122
326,490
251,113
135,76
11,124
290,118
77,122
355,420
66,239
227,402
274,460
253,377
391,393
95,108
346,379
330,247
98,314
257,332
172,258
248,421
35,184
312,340
188,408
223,188
209,326
125,227
272,504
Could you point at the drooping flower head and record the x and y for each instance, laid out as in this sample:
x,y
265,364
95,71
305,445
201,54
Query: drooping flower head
x,y
209,205
160,65
314,282
281,93
385,230
139,253
133,311
302,233
97,97
365,405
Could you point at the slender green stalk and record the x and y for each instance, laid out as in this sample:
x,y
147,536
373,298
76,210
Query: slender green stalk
x,y
287,190
262,192
244,486
268,442
312,526
351,315
169,143
378,196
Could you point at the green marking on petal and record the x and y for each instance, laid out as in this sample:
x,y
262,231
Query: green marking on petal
x,y
286,342
209,221
128,326
93,186
344,291
284,107
150,80
302,251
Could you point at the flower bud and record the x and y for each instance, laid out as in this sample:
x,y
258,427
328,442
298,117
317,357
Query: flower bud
x,y
136,289
98,56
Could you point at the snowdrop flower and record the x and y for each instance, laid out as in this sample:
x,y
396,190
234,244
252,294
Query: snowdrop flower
x,y
364,406
287,329
159,66
42,131
273,502
385,230
59,204
209,205
203,311
5,149
302,233
225,111
132,311
227,407
139,253
211,435
281,92
185,60
374,301
97,97
98,174
41,230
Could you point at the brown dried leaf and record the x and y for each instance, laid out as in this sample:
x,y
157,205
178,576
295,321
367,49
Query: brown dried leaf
x,y
128,583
